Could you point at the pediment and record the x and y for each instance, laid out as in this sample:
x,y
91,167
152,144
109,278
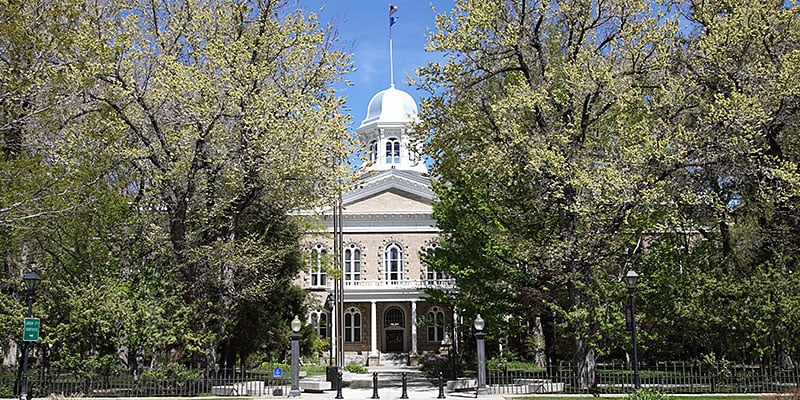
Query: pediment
x,y
390,201
391,190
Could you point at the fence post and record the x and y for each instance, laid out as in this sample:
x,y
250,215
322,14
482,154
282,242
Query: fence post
x,y
339,385
375,385
404,395
441,387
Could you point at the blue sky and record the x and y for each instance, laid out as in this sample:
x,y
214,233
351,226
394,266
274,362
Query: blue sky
x,y
363,27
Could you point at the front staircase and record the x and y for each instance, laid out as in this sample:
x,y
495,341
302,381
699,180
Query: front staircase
x,y
393,360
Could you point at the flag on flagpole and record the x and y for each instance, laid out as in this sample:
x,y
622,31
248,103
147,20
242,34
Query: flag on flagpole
x,y
392,10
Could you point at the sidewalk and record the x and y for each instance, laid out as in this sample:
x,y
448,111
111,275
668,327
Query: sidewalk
x,y
390,387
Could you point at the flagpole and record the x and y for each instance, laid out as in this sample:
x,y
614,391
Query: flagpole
x,y
391,56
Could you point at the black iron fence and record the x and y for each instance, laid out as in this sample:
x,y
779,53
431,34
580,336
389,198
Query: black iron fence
x,y
666,377
189,383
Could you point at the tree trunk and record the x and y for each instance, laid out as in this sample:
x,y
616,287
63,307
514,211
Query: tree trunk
x,y
585,364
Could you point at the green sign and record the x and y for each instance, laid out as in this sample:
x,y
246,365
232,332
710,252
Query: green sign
x,y
31,331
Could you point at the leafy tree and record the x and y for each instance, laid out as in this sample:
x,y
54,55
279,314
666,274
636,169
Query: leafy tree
x,y
176,136
733,111
547,160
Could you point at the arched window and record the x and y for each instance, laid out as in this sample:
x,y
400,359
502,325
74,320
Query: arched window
x,y
393,263
316,261
352,264
393,151
320,320
373,151
352,325
435,325
394,316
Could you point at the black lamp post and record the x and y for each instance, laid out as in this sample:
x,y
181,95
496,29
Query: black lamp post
x,y
30,279
454,339
630,278
480,336
331,371
295,390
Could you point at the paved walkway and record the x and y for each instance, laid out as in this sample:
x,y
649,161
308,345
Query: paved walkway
x,y
390,386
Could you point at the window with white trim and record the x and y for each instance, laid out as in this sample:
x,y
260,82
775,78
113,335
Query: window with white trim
x,y
393,262
352,264
393,151
373,151
352,325
435,325
318,276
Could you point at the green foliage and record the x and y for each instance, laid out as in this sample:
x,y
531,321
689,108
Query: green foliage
x,y
432,364
356,368
648,394
150,157
612,136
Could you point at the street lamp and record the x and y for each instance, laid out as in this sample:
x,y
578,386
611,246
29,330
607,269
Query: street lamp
x,y
295,390
30,279
630,278
480,335
454,339
331,371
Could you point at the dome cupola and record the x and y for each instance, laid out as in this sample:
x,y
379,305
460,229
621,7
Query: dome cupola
x,y
385,131
391,106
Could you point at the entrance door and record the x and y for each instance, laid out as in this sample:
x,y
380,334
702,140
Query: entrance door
x,y
394,325
394,341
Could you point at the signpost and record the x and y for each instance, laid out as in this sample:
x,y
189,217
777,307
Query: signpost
x,y
31,330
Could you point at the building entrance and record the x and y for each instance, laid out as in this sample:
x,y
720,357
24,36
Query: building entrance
x,y
394,324
394,341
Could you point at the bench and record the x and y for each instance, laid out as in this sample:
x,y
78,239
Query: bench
x,y
460,384
314,386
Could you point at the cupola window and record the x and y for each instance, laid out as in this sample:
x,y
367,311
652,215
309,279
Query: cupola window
x,y
393,151
373,151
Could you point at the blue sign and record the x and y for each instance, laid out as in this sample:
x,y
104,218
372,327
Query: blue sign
x,y
277,373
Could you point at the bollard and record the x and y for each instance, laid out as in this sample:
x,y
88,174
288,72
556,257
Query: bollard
x,y
375,385
405,387
339,385
441,387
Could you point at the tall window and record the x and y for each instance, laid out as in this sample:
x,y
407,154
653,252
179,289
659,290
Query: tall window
x,y
373,150
393,262
352,264
433,277
320,320
352,325
316,260
393,151
435,325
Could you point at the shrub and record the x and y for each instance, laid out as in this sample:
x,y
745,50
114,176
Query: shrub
x,y
648,394
431,364
356,368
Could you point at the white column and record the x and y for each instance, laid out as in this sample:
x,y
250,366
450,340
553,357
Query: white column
x,y
373,330
414,327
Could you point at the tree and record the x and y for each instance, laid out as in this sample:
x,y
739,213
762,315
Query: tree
x,y
733,105
544,146
194,127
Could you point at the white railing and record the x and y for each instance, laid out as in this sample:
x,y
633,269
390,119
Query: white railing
x,y
443,284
